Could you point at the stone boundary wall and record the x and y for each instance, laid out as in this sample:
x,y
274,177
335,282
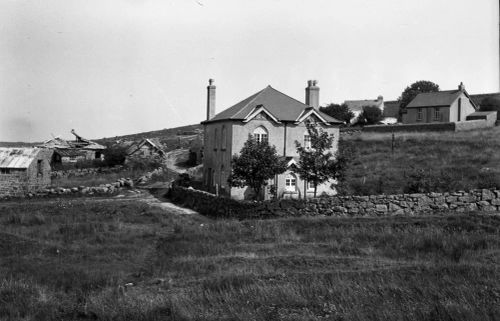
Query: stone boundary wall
x,y
432,127
79,172
487,200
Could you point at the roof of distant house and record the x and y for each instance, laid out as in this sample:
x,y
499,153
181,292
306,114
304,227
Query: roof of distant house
x,y
79,143
17,157
357,105
438,98
281,106
136,146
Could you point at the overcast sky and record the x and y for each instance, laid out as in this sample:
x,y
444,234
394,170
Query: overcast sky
x,y
115,67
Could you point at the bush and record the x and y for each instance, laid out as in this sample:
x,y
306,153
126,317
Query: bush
x,y
370,115
115,155
340,112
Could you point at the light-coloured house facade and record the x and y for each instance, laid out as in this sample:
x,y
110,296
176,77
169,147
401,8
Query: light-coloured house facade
x,y
440,107
24,170
267,115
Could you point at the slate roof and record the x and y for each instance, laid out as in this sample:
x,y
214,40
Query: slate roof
x,y
438,98
281,106
135,147
17,157
357,105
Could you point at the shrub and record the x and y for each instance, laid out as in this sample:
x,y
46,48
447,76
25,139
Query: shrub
x,y
370,115
114,155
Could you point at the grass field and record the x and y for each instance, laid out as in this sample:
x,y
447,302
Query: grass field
x,y
430,162
124,260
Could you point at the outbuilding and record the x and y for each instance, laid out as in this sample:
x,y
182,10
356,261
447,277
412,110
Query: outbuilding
x,y
24,170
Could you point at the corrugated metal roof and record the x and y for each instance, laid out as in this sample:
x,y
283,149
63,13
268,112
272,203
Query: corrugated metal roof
x,y
17,157
283,107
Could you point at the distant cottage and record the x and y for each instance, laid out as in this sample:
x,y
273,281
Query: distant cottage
x,y
356,106
440,107
147,148
267,115
24,170
73,151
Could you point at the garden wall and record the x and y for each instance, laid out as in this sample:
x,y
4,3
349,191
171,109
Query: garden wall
x,y
432,127
487,200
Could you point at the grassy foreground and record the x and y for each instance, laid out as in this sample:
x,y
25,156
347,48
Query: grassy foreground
x,y
425,162
124,260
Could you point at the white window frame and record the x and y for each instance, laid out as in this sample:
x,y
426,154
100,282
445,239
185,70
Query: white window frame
x,y
260,134
307,140
437,114
290,183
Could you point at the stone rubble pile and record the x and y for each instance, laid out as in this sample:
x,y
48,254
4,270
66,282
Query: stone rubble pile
x,y
84,190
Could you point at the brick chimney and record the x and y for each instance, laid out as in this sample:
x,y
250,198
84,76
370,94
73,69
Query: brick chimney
x,y
461,87
210,99
312,93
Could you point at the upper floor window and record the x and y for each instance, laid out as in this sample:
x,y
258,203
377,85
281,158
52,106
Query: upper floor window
x,y
260,134
419,113
310,185
224,138
307,140
437,114
216,138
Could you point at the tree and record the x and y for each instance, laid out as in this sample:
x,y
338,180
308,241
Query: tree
x,y
370,115
410,92
114,155
490,104
255,165
340,112
317,164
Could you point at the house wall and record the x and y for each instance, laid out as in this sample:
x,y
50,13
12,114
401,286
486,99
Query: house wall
x,y
448,114
38,179
466,109
282,136
411,116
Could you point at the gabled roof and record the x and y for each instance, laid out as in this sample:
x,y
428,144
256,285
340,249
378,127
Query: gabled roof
x,y
135,147
438,98
281,106
17,157
357,105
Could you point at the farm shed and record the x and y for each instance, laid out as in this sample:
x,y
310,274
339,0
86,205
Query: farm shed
x,y
24,170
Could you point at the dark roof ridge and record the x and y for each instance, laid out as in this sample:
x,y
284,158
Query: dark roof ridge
x,y
257,94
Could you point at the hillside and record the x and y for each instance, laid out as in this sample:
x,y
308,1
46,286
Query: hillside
x,y
169,136
431,162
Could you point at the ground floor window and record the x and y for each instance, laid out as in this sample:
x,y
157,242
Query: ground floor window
x,y
310,186
290,183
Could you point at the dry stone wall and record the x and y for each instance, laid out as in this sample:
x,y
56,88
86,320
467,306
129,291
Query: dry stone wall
x,y
487,200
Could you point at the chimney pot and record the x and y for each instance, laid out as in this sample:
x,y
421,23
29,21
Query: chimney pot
x,y
210,99
461,87
312,94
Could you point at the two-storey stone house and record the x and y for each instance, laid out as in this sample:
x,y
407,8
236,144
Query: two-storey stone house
x,y
266,115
